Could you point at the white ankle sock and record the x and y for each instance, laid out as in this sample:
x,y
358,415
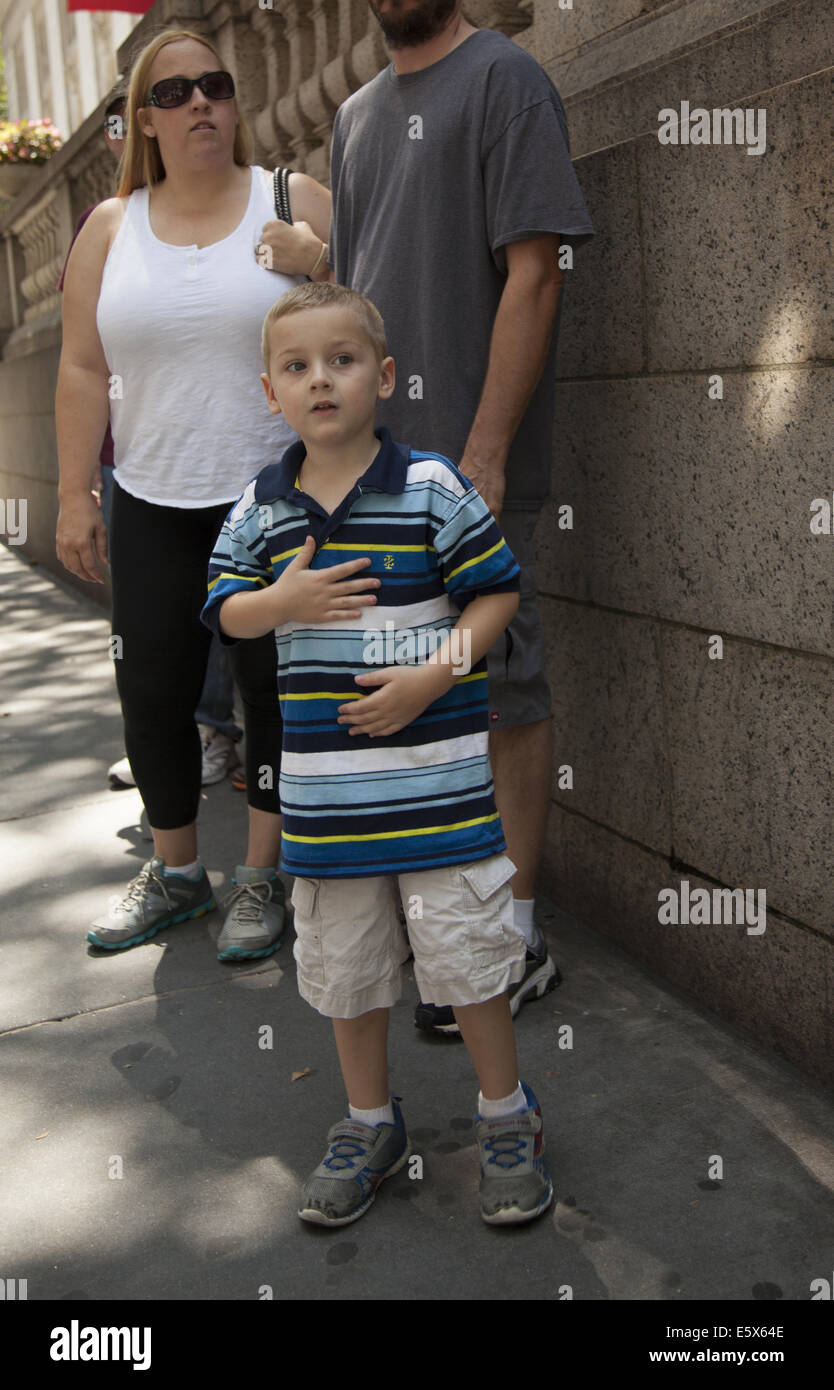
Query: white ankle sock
x,y
191,871
510,1105
523,919
384,1115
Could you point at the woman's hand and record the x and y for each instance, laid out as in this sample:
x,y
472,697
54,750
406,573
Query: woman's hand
x,y
81,537
288,249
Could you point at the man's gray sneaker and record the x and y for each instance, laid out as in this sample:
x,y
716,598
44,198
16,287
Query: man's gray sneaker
x,y
255,918
515,1183
359,1157
153,900
539,978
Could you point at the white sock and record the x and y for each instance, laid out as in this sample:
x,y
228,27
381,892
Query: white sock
x,y
384,1115
523,918
191,871
510,1105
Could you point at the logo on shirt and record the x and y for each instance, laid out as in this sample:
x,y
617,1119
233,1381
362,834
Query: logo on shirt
x,y
388,562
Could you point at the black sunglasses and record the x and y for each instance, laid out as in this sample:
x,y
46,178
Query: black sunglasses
x,y
176,91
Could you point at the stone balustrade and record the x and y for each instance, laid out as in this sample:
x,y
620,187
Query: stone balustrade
x,y
37,229
294,63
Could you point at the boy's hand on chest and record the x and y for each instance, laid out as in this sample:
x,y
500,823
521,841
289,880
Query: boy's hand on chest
x,y
335,593
401,695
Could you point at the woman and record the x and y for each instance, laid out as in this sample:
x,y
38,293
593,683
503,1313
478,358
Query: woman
x,y
165,293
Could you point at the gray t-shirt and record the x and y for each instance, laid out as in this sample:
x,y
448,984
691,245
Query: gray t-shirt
x,y
433,173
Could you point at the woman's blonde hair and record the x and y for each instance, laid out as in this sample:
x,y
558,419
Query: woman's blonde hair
x,y
141,163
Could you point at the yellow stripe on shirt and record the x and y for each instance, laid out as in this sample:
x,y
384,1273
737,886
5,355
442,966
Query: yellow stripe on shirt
x,y
389,834
358,694
360,546
476,559
247,579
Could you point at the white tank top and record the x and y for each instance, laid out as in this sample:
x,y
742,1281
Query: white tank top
x,y
181,331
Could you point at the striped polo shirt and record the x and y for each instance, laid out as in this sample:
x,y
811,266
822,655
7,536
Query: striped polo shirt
x,y
421,798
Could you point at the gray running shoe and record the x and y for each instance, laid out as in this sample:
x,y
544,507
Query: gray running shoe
x,y
153,900
515,1183
255,920
359,1157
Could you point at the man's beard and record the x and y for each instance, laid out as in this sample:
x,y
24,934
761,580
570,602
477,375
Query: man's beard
x,y
413,27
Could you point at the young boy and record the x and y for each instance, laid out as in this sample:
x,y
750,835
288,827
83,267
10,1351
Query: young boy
x,y
385,783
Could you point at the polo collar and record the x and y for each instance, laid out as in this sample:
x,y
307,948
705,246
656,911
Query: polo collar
x,y
387,473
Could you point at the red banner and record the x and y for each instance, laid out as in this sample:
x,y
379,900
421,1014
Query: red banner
x,y
126,6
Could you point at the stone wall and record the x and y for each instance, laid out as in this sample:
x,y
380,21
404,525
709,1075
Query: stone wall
x,y
690,496
692,514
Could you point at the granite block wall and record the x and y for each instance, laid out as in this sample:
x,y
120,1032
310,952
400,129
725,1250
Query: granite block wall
x,y
687,601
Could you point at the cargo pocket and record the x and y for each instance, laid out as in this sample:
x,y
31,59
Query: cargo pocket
x,y
489,911
307,950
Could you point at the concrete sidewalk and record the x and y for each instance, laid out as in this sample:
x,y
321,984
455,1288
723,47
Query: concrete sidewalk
x,y
149,1062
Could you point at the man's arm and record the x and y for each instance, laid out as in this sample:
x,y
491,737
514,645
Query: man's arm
x,y
310,202
521,334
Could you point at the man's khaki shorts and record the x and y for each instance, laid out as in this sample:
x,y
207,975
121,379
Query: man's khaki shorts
x,y
350,946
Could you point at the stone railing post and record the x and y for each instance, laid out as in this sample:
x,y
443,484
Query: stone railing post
x,y
42,233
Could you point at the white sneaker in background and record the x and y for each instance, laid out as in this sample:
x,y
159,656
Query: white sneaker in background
x,y
219,754
120,774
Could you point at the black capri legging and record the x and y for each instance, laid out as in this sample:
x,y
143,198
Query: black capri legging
x,y
159,564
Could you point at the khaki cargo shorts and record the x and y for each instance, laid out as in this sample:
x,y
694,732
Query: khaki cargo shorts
x,y
350,945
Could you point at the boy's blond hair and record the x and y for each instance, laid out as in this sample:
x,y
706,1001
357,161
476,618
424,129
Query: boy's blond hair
x,y
325,295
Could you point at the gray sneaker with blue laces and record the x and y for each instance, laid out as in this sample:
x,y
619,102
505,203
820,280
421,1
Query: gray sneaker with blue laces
x,y
359,1157
515,1183
153,900
255,917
